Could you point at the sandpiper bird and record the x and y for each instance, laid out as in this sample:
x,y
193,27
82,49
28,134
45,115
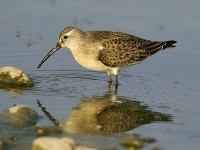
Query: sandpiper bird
x,y
107,51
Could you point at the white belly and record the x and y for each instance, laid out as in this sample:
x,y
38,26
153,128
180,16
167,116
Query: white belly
x,y
91,63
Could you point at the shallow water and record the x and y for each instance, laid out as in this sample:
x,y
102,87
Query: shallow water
x,y
167,82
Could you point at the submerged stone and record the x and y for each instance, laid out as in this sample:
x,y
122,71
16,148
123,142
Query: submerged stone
x,y
22,115
51,143
149,140
84,148
132,141
156,148
14,77
47,130
1,144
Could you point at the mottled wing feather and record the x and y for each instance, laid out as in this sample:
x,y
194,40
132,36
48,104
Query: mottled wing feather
x,y
153,47
123,50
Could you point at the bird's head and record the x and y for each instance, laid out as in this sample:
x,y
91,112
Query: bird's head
x,y
68,38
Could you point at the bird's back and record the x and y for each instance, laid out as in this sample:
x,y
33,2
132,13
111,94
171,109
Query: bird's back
x,y
116,38
122,50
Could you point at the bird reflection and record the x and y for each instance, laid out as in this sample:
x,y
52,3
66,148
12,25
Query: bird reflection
x,y
107,115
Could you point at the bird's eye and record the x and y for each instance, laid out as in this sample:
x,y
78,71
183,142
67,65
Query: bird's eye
x,y
65,37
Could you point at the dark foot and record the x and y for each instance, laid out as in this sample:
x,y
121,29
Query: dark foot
x,y
109,86
116,80
110,78
116,88
116,83
110,82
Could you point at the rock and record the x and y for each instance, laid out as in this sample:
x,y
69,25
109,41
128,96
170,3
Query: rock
x,y
132,141
149,140
43,131
51,143
84,148
48,130
14,77
1,144
22,115
156,148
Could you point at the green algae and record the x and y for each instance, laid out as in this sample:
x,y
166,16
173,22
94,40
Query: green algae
x,y
48,130
136,142
132,141
6,81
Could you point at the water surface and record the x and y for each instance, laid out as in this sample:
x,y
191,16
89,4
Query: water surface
x,y
167,82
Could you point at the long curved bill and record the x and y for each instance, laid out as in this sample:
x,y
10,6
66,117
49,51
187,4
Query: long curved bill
x,y
53,50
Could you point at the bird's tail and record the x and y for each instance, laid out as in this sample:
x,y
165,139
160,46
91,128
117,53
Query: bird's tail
x,y
155,46
169,44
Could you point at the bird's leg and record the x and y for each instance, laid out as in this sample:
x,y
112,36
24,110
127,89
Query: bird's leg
x,y
109,81
109,87
116,83
116,88
109,78
116,80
